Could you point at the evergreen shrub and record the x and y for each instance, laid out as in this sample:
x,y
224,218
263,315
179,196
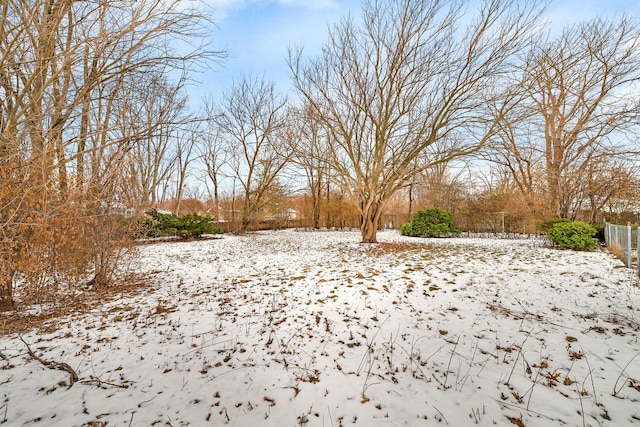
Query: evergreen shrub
x,y
157,224
406,229
547,224
431,222
575,235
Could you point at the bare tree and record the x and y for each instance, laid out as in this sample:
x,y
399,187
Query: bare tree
x,y
309,152
407,80
582,99
212,152
516,151
185,156
156,123
66,69
252,118
603,182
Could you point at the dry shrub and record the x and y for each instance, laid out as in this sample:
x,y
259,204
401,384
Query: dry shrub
x,y
55,240
110,245
616,250
69,251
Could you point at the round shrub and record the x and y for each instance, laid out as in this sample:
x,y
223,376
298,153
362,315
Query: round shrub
x,y
431,222
575,235
406,229
548,223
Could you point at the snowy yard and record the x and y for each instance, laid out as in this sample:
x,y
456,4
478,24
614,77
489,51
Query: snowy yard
x,y
296,328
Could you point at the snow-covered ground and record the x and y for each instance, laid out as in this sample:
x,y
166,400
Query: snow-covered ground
x,y
311,328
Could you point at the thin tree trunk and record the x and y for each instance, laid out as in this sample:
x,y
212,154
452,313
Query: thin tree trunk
x,y
216,198
6,290
328,224
316,194
410,202
247,213
553,183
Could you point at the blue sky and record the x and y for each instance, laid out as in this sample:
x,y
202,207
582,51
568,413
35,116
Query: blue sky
x,y
257,33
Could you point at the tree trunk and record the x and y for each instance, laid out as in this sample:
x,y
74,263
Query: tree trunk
x,y
247,213
554,157
316,194
410,202
216,198
553,184
370,220
369,230
6,291
328,220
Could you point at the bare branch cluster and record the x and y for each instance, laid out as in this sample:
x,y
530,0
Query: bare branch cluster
x,y
76,78
566,139
409,81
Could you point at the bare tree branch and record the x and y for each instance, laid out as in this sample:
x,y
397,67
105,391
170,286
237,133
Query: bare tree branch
x,y
406,82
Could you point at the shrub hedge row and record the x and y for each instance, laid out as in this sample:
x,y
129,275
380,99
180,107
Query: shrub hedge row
x,y
157,224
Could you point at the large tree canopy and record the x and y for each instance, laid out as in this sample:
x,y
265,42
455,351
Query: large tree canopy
x,y
414,78
581,98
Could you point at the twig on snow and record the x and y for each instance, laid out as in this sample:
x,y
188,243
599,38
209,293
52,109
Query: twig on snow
x,y
446,374
593,385
51,364
330,416
517,357
616,390
581,406
441,414
531,411
102,384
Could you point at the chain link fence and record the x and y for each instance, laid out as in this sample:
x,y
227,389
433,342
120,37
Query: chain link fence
x,y
623,242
